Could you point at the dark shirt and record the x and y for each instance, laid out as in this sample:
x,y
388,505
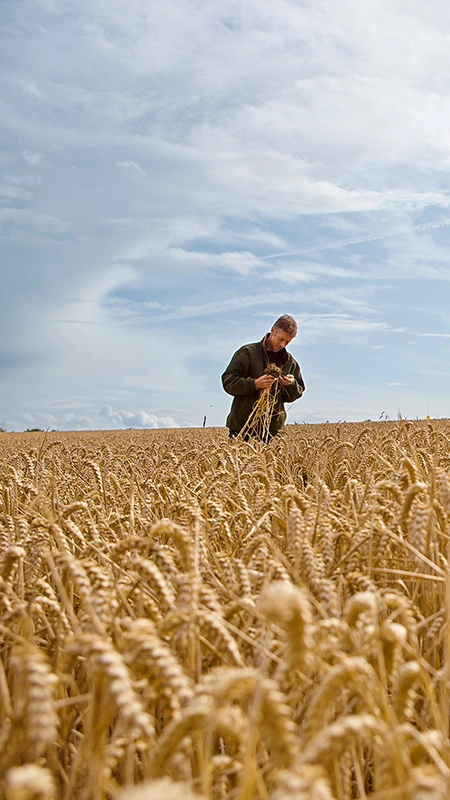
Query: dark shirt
x,y
277,358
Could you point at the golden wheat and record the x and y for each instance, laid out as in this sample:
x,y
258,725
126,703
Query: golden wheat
x,y
185,616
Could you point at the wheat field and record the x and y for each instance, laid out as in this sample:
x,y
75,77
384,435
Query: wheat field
x,y
183,616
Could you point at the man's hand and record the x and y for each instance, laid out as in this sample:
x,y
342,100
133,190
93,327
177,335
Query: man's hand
x,y
264,381
286,380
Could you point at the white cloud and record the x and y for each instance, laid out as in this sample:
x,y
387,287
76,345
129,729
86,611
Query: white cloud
x,y
240,262
435,335
335,244
91,291
34,159
139,419
104,419
308,272
24,179
11,193
29,221
131,167
30,88
337,327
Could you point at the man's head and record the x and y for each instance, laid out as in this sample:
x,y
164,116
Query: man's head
x,y
282,332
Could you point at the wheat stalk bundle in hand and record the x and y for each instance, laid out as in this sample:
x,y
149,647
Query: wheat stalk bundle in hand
x,y
258,423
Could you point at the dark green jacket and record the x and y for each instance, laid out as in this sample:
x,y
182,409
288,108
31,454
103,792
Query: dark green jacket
x,y
247,364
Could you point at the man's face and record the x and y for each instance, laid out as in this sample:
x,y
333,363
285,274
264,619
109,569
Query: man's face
x,y
278,339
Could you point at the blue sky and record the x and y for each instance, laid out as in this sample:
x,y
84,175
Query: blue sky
x,y
174,176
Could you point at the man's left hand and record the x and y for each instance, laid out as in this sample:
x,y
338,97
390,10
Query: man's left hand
x,y
286,380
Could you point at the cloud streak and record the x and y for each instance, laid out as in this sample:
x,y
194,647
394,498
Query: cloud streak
x,y
376,237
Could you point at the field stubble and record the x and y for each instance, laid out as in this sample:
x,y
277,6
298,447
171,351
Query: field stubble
x,y
185,616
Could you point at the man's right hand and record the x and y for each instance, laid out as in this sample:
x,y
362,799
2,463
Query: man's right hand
x,y
264,381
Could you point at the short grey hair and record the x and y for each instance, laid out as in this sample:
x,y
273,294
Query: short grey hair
x,y
287,324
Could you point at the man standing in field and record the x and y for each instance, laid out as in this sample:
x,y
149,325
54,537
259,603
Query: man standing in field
x,y
247,375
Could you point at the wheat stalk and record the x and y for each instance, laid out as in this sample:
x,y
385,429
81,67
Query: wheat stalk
x,y
254,622
258,423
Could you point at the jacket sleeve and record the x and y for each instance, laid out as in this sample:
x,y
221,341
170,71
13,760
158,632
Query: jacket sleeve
x,y
296,389
236,379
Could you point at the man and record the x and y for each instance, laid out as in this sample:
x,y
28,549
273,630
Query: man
x,y
245,376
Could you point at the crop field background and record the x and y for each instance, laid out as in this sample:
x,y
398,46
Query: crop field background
x,y
186,616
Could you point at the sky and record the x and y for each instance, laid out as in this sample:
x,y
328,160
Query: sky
x,y
176,175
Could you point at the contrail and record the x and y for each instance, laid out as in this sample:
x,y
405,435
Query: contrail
x,y
425,226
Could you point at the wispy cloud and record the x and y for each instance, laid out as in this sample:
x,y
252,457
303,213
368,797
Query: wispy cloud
x,y
374,237
29,220
10,193
30,88
131,168
34,159
435,335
